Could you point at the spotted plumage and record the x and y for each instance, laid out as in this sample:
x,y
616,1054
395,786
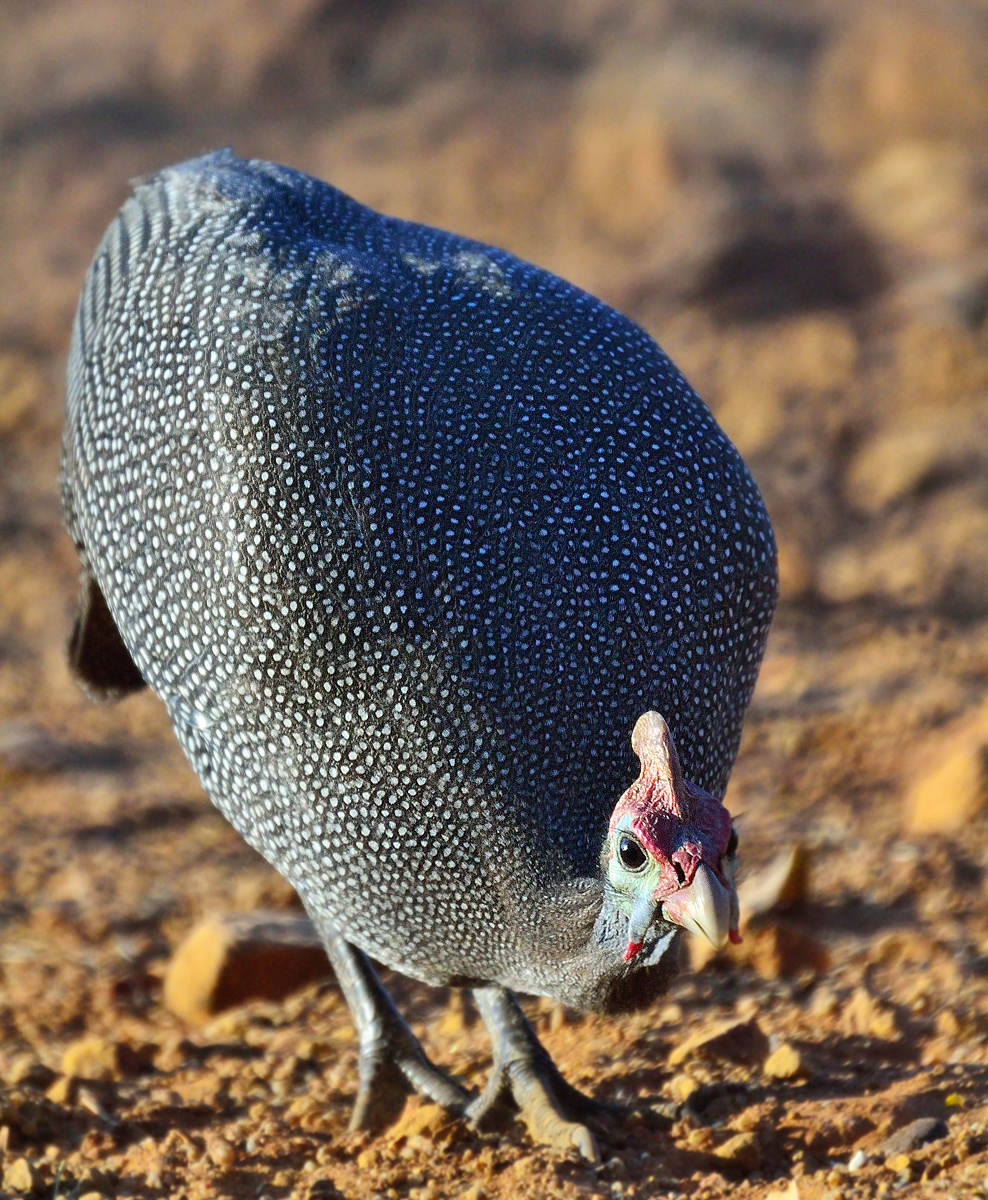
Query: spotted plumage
x,y
406,534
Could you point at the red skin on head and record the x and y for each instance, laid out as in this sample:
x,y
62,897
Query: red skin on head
x,y
678,823
687,829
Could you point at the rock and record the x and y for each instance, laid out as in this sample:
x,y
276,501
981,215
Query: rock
x,y
221,1153
785,1063
782,885
20,1176
735,1041
857,1160
824,1003
789,1191
947,780
101,1059
64,1090
743,1150
227,961
701,1139
899,71
682,1086
317,1049
232,1024
865,1016
173,1053
912,1136
420,1120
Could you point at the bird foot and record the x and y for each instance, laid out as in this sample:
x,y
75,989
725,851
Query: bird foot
x,y
381,1096
391,1068
524,1080
520,1087
392,1063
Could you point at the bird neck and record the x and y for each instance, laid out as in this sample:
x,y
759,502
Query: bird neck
x,y
578,951
567,915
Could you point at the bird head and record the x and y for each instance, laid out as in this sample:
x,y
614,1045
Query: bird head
x,y
671,847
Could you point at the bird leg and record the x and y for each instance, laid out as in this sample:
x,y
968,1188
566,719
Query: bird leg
x,y
391,1061
524,1073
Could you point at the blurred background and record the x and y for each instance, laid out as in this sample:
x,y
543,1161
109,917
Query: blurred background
x,y
790,195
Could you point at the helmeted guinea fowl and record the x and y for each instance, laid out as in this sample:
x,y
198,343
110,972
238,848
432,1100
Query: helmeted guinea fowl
x,y
409,536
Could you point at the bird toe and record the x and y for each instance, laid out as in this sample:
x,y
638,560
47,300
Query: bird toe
x,y
547,1126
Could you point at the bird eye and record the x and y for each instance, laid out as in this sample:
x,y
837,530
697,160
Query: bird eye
x,y
632,856
732,845
680,874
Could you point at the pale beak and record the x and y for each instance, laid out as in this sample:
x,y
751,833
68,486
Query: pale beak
x,y
704,907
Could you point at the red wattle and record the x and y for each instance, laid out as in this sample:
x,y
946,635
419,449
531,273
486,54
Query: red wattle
x,y
736,938
632,950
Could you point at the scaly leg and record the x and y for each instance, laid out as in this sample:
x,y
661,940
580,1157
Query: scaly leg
x,y
524,1072
392,1063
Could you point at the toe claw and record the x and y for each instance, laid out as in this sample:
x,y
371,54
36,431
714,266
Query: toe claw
x,y
585,1143
546,1124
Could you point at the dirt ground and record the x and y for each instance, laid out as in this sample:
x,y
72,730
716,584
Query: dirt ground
x,y
792,196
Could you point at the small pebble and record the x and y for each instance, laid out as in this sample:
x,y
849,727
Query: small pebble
x,y
912,1136
221,1153
19,1176
784,1063
743,1151
857,1161
682,1087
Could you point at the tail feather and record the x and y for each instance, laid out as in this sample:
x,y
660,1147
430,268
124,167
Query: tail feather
x,y
98,658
